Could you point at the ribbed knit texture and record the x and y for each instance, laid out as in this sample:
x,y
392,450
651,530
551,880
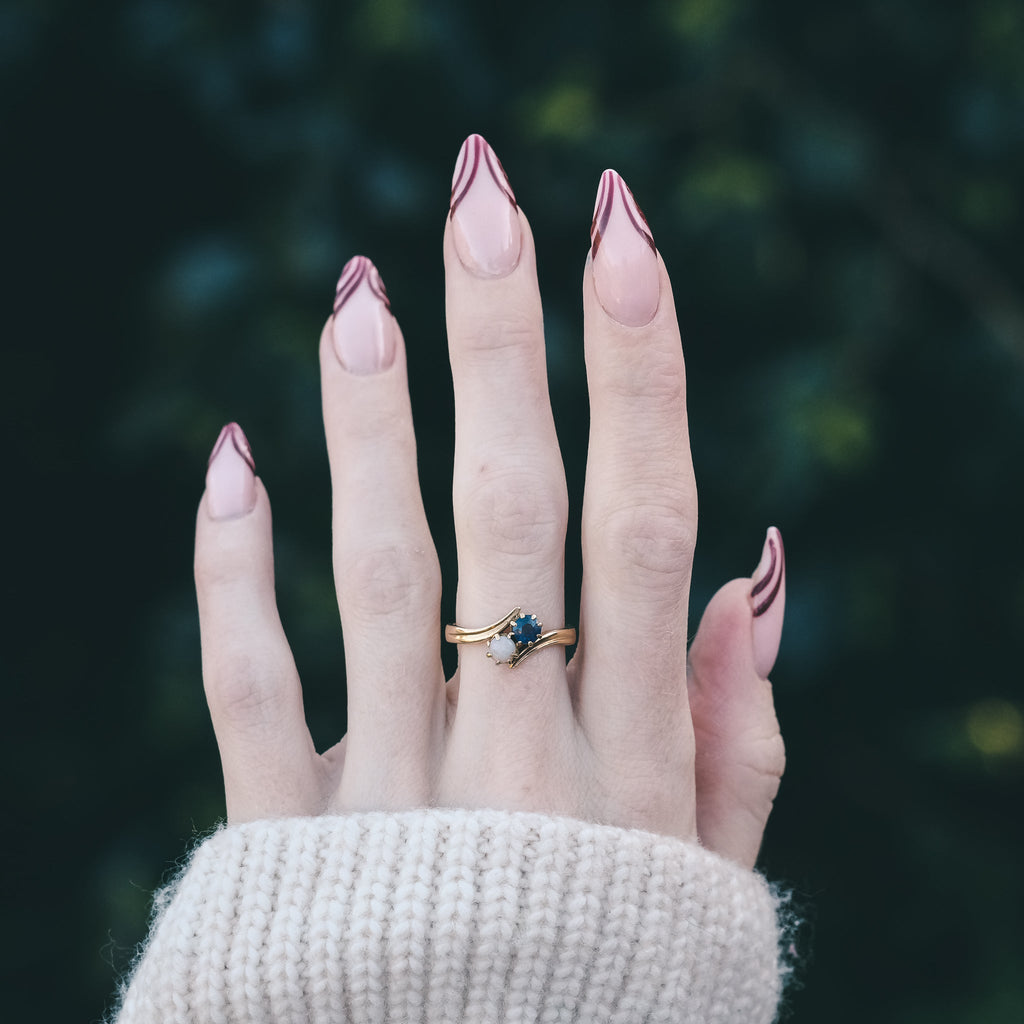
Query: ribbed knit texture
x,y
445,916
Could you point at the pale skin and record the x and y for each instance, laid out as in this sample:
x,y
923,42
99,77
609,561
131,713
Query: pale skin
x,y
635,731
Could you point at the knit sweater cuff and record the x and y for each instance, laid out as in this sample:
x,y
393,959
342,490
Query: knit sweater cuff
x,y
447,916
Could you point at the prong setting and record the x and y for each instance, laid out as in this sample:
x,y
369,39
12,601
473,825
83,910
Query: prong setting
x,y
512,637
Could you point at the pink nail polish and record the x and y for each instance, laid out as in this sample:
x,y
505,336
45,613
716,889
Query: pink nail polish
x,y
363,327
484,212
768,602
624,256
230,476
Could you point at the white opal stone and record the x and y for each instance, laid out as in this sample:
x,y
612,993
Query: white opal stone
x,y
502,648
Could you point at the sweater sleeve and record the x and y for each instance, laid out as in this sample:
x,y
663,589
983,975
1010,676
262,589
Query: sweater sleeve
x,y
444,916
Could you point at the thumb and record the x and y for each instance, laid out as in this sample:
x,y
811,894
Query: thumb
x,y
740,755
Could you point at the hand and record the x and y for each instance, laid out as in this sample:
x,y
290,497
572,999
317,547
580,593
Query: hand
x,y
631,732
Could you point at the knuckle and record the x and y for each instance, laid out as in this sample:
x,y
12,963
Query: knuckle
x,y
766,756
388,581
657,381
647,795
511,512
375,422
218,569
489,336
246,690
651,543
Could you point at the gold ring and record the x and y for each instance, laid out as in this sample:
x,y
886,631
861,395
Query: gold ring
x,y
511,638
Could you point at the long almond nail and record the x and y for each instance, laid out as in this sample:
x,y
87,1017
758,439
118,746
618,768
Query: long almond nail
x,y
230,476
363,327
484,212
624,256
768,602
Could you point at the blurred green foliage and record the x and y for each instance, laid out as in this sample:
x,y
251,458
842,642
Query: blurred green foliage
x,y
836,191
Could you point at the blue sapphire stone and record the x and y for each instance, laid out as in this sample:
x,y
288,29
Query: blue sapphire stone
x,y
526,629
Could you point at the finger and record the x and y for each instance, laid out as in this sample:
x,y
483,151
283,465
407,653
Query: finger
x,y
640,504
252,688
740,753
385,566
509,486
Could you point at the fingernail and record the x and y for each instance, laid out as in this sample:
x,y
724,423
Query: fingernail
x,y
363,327
230,476
484,212
624,256
768,602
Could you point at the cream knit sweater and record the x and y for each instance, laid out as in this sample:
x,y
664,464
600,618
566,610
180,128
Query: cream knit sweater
x,y
450,916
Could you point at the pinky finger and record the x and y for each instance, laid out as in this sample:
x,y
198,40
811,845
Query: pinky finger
x,y
252,687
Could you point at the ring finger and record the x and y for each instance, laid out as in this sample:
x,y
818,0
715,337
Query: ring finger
x,y
509,485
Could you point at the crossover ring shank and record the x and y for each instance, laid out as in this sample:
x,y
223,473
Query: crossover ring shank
x,y
517,636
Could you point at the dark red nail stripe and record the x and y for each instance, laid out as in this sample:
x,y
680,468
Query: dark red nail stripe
x,y
476,153
772,578
613,188
238,441
357,270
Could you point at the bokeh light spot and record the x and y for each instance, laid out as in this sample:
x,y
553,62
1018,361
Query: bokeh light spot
x,y
566,112
996,728
702,20
840,433
732,180
389,25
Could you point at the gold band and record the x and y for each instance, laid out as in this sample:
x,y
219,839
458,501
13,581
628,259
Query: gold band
x,y
458,635
505,628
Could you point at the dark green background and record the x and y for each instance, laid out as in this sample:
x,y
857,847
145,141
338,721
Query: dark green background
x,y
836,190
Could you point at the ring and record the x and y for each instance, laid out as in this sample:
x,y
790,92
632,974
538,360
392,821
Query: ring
x,y
511,638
